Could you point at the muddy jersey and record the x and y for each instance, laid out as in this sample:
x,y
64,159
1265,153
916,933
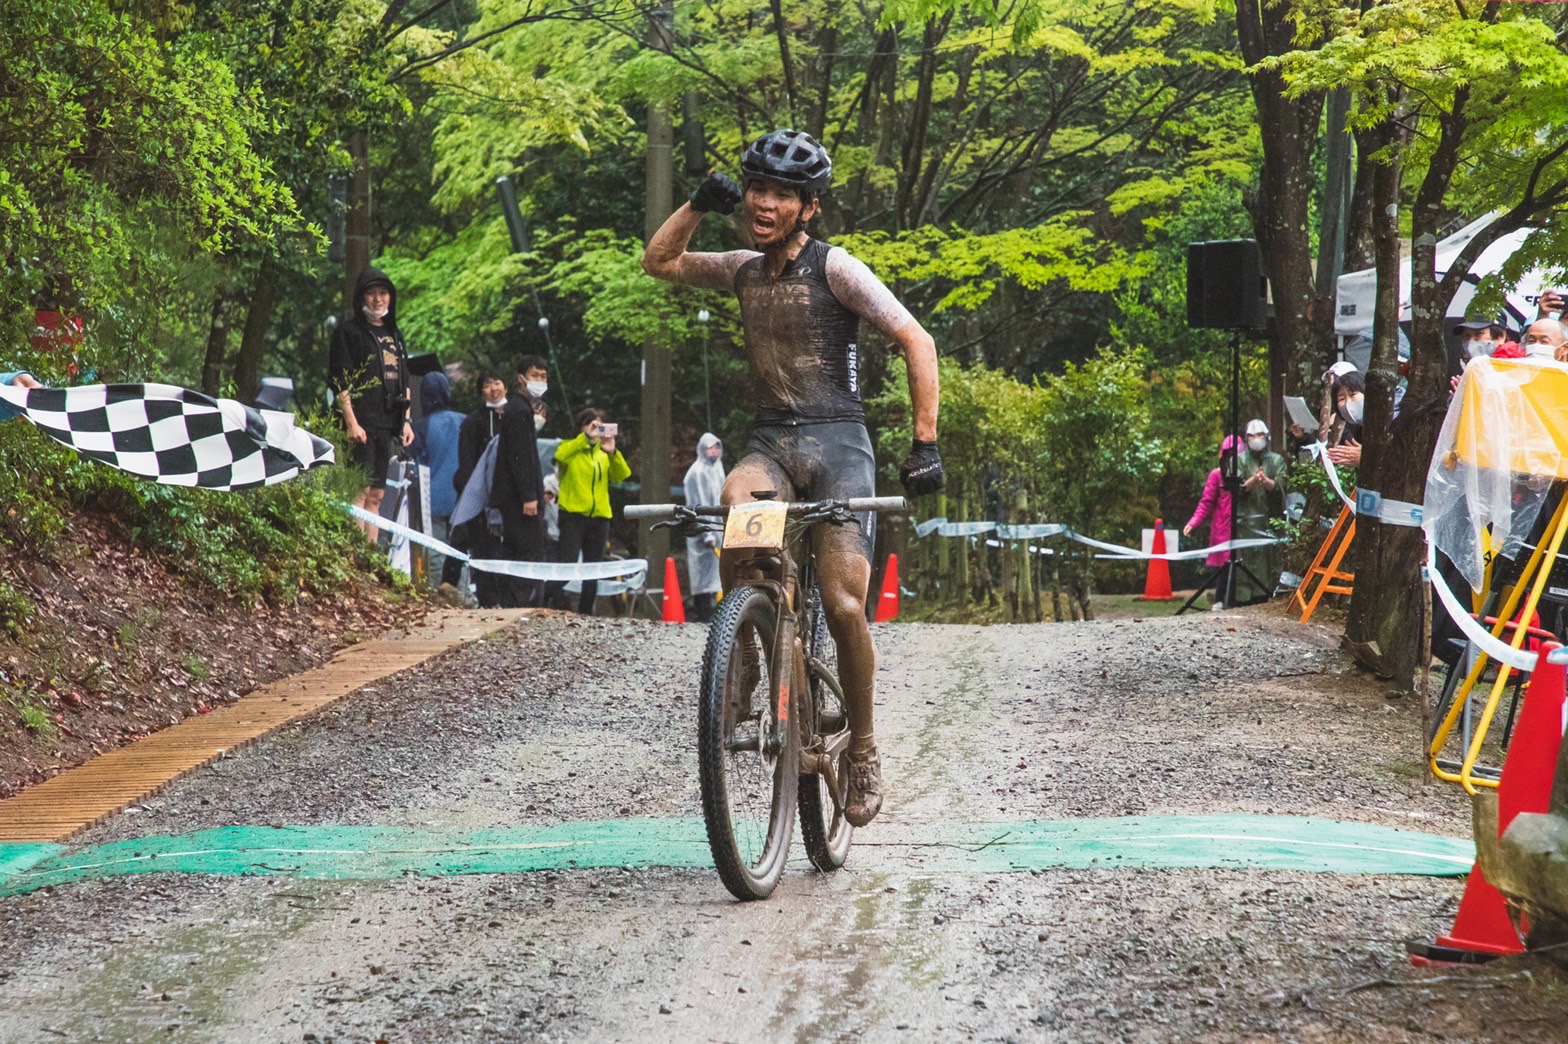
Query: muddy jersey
x,y
802,328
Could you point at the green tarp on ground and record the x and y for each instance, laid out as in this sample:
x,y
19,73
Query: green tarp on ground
x,y
1132,842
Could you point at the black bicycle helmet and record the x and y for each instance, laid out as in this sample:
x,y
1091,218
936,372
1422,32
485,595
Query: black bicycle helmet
x,y
790,157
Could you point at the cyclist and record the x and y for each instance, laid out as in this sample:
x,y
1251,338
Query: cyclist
x,y
801,304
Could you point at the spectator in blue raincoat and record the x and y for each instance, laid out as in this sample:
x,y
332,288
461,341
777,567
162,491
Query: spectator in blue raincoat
x,y
435,446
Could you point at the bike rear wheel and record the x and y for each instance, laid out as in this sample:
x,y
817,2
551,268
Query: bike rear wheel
x,y
746,757
824,831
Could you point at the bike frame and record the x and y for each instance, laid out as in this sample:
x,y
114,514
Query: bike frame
x,y
782,576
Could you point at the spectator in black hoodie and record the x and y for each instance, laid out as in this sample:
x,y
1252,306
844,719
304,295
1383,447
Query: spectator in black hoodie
x,y
478,429
367,369
518,490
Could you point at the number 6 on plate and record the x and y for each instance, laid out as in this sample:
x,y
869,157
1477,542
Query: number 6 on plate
x,y
760,524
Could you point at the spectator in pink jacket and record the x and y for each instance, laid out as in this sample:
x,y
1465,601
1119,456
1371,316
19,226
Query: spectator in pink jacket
x,y
1214,508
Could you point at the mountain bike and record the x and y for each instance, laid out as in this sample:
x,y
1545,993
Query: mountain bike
x,y
772,724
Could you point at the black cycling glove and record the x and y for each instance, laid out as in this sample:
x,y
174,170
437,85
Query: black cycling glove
x,y
718,193
922,470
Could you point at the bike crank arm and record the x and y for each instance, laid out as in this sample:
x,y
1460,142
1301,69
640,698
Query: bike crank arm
x,y
821,760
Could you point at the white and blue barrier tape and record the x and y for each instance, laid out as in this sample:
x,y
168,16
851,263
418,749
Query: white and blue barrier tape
x,y
1368,503
631,572
1486,641
1114,552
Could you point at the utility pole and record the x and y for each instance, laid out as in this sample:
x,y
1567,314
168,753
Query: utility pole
x,y
655,435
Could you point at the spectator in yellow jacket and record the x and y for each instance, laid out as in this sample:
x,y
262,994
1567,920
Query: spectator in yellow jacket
x,y
589,463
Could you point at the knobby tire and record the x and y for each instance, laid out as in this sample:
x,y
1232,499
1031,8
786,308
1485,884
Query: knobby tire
x,y
824,832
738,786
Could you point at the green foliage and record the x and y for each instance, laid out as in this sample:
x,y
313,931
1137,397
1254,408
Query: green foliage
x,y
1063,250
106,123
1096,447
272,543
37,721
1495,69
1006,181
1076,448
16,610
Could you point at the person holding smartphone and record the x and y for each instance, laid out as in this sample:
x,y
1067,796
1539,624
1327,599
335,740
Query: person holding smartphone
x,y
589,463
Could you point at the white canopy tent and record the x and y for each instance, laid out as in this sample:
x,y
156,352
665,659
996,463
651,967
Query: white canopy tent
x,y
1356,291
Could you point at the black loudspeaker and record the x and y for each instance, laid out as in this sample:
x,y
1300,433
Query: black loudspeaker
x,y
1226,287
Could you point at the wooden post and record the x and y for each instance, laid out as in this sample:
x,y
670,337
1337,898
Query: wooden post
x,y
963,559
1056,587
1004,556
1028,592
944,561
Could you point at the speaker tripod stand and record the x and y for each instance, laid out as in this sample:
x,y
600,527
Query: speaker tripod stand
x,y
1223,576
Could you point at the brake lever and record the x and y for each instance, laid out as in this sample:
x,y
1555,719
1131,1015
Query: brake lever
x,y
688,523
838,514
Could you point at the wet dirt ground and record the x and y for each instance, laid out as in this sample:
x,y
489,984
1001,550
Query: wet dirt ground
x,y
560,719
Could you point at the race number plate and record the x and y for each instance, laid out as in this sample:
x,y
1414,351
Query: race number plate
x,y
759,524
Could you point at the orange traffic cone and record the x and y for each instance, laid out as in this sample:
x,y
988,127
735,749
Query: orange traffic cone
x,y
887,604
1157,585
674,609
1482,928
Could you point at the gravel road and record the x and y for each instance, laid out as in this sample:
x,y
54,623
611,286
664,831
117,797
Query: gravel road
x,y
561,719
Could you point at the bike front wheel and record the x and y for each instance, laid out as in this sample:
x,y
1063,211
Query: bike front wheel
x,y
746,756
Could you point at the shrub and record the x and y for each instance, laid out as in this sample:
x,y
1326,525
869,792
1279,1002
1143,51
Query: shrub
x,y
16,609
274,542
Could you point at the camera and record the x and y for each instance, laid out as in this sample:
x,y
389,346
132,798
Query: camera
x,y
609,431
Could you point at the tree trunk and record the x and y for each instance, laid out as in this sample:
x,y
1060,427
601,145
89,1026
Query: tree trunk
x,y
217,344
1358,226
263,298
1302,337
1384,628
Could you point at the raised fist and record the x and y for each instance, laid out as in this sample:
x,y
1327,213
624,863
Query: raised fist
x,y
718,193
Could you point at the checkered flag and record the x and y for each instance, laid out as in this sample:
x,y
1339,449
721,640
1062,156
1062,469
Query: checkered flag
x,y
173,435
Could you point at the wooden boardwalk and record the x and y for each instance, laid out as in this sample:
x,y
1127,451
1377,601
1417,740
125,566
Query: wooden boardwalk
x,y
79,797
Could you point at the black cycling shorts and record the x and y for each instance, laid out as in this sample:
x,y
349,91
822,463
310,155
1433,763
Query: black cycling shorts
x,y
823,460
374,455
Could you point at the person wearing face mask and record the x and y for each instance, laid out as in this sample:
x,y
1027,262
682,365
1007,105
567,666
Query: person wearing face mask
x,y
1479,337
518,490
367,370
533,378
704,485
1214,508
1545,339
1261,498
1301,438
476,537
1350,399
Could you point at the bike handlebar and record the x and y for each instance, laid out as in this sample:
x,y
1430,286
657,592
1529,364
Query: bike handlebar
x,y
893,505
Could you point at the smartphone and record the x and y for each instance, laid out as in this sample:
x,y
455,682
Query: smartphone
x,y
609,431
